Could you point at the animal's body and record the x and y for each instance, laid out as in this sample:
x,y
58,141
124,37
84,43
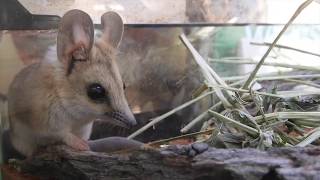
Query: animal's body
x,y
57,100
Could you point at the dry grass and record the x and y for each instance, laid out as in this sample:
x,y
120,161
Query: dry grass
x,y
252,117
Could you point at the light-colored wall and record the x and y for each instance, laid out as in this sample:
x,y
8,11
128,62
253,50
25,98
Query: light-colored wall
x,y
10,62
176,11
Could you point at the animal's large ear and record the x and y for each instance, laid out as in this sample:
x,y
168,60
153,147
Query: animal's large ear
x,y
112,28
75,37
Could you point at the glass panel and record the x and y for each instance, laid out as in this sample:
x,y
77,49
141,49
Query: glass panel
x,y
159,71
183,11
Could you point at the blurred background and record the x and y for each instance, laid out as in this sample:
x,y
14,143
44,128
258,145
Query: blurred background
x,y
158,70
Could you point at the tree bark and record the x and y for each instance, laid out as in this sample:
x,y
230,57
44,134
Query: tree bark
x,y
172,163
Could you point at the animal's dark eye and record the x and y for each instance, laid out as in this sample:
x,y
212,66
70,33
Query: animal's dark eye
x,y
96,92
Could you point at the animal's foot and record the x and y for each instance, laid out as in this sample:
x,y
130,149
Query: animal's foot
x,y
77,143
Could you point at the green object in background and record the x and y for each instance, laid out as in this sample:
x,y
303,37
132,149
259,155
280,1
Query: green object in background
x,y
226,40
225,44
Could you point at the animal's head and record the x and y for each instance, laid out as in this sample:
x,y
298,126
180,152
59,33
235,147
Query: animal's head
x,y
90,67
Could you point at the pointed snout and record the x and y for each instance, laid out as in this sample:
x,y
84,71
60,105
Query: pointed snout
x,y
121,107
125,117
130,118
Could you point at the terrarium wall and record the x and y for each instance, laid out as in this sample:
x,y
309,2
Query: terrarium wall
x,y
158,70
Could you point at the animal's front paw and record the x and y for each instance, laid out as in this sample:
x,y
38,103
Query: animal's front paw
x,y
80,145
76,143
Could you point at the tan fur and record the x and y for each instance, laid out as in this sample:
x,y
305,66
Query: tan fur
x,y
48,104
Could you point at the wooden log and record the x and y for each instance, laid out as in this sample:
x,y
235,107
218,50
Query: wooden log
x,y
174,163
